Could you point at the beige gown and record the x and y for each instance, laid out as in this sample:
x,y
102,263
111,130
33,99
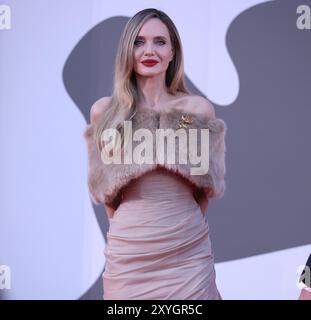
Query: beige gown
x,y
158,244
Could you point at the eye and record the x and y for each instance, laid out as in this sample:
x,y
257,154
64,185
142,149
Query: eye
x,y
161,42
136,42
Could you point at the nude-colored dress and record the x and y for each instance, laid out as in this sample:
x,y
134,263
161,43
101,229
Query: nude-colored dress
x,y
159,243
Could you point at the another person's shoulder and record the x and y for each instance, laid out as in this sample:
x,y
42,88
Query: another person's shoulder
x,y
201,105
98,107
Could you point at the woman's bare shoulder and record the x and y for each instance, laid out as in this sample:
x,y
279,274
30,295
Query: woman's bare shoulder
x,y
98,107
201,105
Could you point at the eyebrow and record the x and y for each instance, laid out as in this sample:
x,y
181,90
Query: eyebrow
x,y
157,37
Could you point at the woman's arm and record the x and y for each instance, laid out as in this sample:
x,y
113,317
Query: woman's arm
x,y
205,106
202,198
109,210
203,203
96,111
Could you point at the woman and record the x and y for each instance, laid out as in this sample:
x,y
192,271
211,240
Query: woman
x,y
158,244
305,279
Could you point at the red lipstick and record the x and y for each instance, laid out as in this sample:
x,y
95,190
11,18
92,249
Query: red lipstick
x,y
149,62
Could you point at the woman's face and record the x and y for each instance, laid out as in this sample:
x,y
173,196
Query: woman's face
x,y
152,43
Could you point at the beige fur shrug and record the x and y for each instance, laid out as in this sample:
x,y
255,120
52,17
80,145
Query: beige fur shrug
x,y
106,180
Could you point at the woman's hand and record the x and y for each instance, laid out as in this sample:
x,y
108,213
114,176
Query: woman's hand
x,y
203,203
112,207
202,197
109,210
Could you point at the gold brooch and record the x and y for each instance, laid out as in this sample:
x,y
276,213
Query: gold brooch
x,y
185,121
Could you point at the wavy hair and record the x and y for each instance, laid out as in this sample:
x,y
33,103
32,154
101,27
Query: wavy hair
x,y
123,103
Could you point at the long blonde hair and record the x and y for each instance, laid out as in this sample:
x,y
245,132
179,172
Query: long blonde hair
x,y
124,97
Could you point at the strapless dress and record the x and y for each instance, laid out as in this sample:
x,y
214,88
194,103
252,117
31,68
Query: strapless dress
x,y
158,243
